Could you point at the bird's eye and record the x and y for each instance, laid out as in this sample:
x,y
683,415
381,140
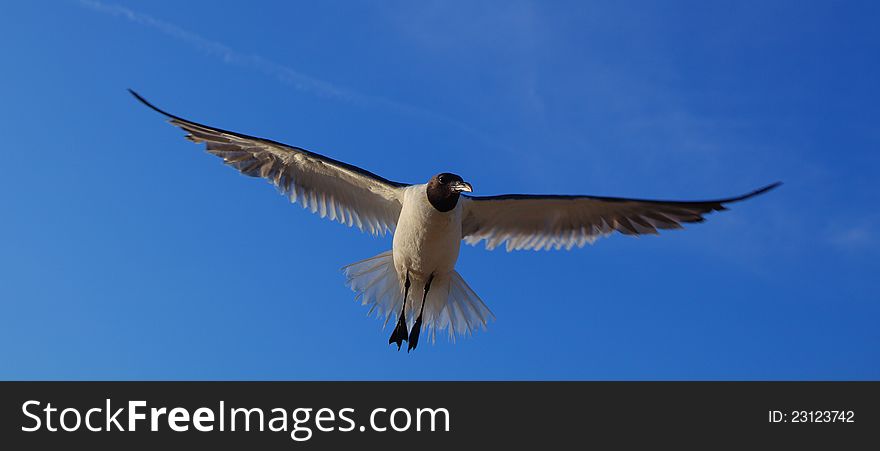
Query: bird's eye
x,y
442,179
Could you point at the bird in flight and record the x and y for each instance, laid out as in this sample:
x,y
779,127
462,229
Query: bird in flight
x,y
428,222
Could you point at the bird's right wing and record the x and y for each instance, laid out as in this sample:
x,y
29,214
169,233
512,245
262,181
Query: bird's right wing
x,y
553,222
330,188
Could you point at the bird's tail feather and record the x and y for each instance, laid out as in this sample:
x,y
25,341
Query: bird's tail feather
x,y
451,304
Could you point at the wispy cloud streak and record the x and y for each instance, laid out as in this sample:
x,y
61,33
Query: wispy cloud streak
x,y
282,73
854,237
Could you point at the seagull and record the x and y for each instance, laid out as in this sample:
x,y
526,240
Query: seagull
x,y
430,220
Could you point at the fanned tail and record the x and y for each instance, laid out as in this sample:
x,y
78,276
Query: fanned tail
x,y
451,303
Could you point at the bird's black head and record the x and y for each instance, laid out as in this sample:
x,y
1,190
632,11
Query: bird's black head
x,y
444,189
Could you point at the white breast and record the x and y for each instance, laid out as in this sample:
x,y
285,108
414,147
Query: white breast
x,y
426,241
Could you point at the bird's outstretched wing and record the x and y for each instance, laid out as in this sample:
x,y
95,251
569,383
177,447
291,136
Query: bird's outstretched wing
x,y
330,188
554,222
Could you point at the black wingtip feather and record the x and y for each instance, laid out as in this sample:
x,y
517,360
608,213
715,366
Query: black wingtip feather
x,y
719,202
762,190
184,123
150,105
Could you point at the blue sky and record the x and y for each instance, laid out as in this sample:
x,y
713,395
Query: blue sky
x,y
129,253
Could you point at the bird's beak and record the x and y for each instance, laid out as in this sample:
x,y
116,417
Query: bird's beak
x,y
459,187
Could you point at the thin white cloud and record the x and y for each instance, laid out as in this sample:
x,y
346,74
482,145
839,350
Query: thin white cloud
x,y
282,73
225,53
854,237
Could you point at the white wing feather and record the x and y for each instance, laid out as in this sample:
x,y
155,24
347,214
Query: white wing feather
x,y
332,189
553,222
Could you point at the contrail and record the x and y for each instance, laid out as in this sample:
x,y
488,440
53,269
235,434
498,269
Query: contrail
x,y
284,74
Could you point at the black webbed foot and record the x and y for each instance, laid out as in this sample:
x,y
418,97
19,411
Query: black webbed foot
x,y
399,334
414,334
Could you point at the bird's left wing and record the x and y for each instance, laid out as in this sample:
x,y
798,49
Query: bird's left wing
x,y
330,188
554,222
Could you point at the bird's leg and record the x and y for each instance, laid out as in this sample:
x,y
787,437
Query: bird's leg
x,y
399,334
417,327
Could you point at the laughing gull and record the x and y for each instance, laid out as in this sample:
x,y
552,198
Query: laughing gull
x,y
429,221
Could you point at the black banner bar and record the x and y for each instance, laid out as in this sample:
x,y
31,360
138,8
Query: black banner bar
x,y
393,415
